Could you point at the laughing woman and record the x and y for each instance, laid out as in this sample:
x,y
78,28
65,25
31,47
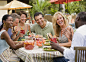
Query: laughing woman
x,y
6,41
22,25
62,29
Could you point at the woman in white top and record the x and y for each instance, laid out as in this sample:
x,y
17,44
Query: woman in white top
x,y
5,40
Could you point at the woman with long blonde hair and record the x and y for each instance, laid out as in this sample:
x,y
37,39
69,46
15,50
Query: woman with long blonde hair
x,y
62,29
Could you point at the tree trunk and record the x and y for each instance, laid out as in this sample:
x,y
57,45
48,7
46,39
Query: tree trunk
x,y
62,8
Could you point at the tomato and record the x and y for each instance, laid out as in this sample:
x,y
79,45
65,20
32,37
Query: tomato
x,y
43,41
39,44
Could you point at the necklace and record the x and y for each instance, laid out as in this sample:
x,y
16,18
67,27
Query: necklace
x,y
22,28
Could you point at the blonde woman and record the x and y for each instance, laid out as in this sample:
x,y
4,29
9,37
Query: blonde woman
x,y
62,29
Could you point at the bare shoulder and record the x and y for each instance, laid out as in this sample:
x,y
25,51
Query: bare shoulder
x,y
4,34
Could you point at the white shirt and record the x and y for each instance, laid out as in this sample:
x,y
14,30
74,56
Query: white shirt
x,y
79,39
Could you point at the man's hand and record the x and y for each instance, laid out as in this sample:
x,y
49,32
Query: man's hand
x,y
56,46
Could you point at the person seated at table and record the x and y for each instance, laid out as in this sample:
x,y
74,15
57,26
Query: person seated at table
x,y
62,29
6,41
22,25
79,38
11,31
42,26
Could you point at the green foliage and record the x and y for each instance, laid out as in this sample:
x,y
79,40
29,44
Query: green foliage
x,y
54,8
47,8
74,7
39,6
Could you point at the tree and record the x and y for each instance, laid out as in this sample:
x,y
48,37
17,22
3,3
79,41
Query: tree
x,y
39,6
74,7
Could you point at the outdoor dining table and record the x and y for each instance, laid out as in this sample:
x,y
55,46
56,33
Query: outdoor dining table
x,y
37,55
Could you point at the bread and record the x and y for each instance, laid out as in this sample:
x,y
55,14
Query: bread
x,y
49,35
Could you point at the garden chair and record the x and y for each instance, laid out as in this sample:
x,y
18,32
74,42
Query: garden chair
x,y
48,17
80,54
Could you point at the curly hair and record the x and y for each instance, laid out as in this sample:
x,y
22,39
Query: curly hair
x,y
14,16
56,27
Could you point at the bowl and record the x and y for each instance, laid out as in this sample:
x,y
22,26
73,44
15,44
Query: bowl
x,y
29,44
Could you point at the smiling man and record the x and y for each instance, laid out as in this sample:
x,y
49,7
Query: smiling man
x,y
42,26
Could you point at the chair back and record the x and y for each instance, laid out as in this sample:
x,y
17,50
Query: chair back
x,y
48,17
80,54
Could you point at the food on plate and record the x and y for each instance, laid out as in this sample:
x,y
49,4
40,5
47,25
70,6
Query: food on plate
x,y
29,47
51,38
47,40
48,49
36,36
39,36
47,43
49,35
44,38
39,43
23,39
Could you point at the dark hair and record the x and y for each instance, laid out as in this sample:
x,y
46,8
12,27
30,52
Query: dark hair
x,y
22,12
82,16
38,13
4,18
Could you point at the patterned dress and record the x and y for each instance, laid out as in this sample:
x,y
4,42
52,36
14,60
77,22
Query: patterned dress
x,y
63,38
6,54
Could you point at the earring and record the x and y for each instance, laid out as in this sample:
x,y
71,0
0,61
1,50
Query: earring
x,y
4,24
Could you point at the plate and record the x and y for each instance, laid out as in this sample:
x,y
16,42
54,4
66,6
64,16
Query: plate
x,y
47,40
47,43
44,38
23,39
48,49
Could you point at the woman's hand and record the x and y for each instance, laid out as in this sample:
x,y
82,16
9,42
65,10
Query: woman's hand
x,y
68,33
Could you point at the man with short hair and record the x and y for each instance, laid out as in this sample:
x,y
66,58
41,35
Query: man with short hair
x,y
79,38
42,27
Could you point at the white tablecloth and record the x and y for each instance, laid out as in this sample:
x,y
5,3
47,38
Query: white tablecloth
x,y
37,55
